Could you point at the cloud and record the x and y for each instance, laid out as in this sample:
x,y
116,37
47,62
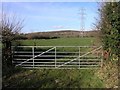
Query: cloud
x,y
58,27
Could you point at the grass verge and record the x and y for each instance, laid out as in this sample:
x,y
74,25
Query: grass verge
x,y
44,78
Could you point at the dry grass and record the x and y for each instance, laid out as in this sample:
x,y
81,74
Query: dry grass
x,y
109,74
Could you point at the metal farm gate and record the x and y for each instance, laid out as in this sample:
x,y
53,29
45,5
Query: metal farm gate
x,y
58,57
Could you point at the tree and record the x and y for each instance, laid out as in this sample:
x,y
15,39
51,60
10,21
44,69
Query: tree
x,y
10,25
109,25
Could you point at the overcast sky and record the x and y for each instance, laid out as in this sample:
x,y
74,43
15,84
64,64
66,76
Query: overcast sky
x,y
49,16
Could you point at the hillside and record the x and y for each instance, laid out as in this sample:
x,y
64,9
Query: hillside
x,y
63,33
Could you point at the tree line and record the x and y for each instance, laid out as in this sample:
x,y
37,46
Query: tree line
x,y
56,34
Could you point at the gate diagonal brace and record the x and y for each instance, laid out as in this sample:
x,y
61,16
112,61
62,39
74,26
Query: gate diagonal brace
x,y
35,56
79,57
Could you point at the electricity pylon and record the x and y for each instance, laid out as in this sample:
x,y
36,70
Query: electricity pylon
x,y
82,23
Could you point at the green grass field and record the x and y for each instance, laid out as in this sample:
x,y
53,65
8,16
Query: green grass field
x,y
60,42
86,41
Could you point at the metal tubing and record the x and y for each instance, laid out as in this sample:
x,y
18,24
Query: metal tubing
x,y
55,57
33,55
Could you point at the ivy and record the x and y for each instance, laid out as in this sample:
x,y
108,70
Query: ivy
x,y
110,27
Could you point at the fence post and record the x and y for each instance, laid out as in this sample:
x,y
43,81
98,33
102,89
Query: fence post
x,y
79,57
55,57
33,55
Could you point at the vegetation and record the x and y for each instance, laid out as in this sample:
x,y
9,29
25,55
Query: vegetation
x,y
57,78
109,74
9,27
109,26
43,78
60,42
20,37
61,34
56,34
